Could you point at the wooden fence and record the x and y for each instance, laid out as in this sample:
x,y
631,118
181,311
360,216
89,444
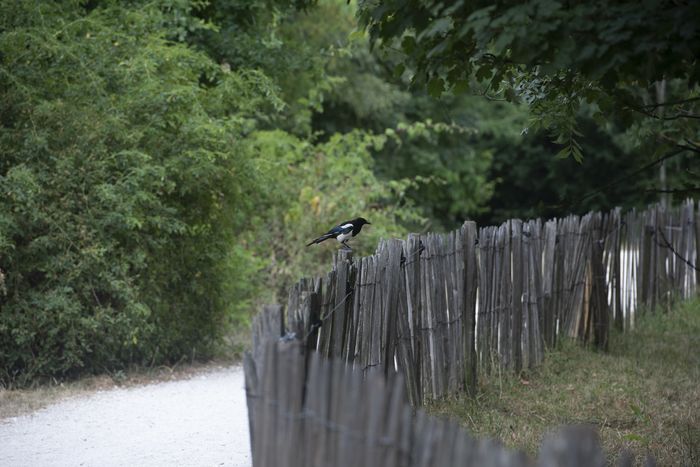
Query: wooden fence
x,y
440,308
422,317
310,411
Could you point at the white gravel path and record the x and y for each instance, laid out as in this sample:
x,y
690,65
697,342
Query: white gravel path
x,y
202,421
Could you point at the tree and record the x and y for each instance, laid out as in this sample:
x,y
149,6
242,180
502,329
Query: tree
x,y
555,56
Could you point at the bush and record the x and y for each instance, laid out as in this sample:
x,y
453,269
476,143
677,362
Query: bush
x,y
316,186
126,182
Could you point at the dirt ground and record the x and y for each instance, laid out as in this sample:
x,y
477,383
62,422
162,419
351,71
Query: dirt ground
x,y
200,421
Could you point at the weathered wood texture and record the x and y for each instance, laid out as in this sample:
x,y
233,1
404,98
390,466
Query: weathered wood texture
x,y
311,411
441,308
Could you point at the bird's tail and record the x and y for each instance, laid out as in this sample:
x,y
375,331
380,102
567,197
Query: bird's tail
x,y
320,239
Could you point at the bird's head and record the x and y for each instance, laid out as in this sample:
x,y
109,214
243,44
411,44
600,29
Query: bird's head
x,y
362,221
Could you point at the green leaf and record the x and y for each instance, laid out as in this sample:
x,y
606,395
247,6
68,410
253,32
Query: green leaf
x,y
408,44
436,86
461,86
357,35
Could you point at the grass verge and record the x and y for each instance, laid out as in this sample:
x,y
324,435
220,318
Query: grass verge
x,y
644,395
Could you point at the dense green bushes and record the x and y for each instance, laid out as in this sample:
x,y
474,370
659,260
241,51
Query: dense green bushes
x,y
125,184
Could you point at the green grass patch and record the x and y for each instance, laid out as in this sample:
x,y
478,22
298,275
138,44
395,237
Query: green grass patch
x,y
644,395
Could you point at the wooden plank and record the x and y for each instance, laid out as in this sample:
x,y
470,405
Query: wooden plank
x,y
485,297
367,297
406,357
454,345
536,273
311,321
265,426
267,325
327,305
633,249
468,271
692,251
376,403
424,435
439,285
516,307
375,358
338,318
662,277
578,280
252,392
360,303
565,282
685,272
351,417
574,446
438,328
316,409
350,311
394,416
531,293
426,329
493,313
412,264
290,427
504,303
697,248
559,289
392,270
645,260
600,313
615,230
548,283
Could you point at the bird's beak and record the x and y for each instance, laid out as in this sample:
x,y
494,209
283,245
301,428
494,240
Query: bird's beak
x,y
369,223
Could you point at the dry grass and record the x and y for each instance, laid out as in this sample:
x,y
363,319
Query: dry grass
x,y
644,395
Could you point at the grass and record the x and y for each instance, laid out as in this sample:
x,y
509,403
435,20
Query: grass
x,y
643,395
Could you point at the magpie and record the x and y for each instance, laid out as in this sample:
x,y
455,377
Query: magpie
x,y
343,232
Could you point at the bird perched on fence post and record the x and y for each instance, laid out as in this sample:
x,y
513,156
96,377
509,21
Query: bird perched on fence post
x,y
343,232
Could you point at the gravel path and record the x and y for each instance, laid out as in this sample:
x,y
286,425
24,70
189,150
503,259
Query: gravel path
x,y
201,421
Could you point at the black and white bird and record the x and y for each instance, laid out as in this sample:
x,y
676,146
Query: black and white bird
x,y
343,232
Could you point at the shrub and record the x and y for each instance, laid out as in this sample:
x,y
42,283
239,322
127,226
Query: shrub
x,y
126,182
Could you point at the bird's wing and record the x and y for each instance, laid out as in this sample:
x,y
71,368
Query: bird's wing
x,y
341,229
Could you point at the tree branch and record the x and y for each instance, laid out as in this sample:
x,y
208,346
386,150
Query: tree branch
x,y
658,117
664,104
692,147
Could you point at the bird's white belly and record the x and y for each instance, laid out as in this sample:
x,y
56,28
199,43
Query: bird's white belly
x,y
343,237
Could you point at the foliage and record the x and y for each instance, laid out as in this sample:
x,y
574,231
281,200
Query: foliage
x,y
554,56
317,184
432,143
530,183
125,184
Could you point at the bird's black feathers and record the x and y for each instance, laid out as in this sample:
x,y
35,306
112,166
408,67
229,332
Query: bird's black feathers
x,y
344,230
